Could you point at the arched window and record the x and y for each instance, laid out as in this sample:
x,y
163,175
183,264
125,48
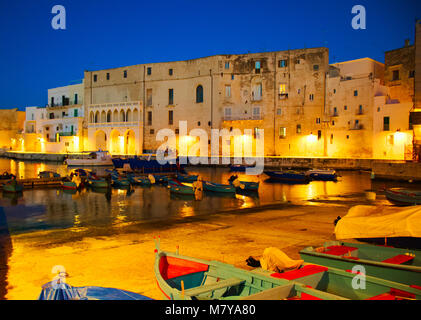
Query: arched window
x,y
199,94
109,116
96,117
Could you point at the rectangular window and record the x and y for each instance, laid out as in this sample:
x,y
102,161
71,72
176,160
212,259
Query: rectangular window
x,y
227,113
395,75
170,72
148,97
149,71
149,118
412,74
386,123
75,102
95,77
232,77
125,73
311,97
256,113
299,128
170,117
227,65
318,120
355,93
227,91
279,112
108,76
170,97
335,111
282,133
257,66
315,67
282,88
282,63
319,134
76,113
257,92
360,109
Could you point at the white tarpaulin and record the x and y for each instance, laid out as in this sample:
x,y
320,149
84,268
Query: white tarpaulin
x,y
379,222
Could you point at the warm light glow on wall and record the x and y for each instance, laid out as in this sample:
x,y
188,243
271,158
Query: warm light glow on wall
x,y
121,142
75,143
400,137
311,138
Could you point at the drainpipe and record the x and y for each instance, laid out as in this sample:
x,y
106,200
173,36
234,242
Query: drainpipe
x,y
144,109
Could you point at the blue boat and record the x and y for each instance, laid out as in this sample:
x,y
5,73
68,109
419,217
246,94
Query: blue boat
x,y
237,168
63,291
186,178
48,174
216,187
322,175
141,181
147,166
161,179
288,176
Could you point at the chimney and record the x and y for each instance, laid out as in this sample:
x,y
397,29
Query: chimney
x,y
407,42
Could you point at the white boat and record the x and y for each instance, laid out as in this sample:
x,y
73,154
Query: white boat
x,y
96,158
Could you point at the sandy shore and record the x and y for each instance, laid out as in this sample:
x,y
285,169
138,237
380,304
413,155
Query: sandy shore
x,y
124,257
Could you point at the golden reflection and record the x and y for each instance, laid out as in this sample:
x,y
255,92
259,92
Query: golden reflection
x,y
13,167
186,210
21,169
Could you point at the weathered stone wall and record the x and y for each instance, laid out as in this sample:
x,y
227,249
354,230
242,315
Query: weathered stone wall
x,y
11,124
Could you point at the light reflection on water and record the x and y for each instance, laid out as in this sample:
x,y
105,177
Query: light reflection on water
x,y
41,209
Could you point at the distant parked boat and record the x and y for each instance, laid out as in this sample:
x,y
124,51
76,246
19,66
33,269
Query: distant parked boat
x,y
216,187
141,181
187,178
238,168
244,185
97,158
12,186
48,174
288,176
147,165
180,188
7,176
95,182
403,197
322,175
69,185
161,179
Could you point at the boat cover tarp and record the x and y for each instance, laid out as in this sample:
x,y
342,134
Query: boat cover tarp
x,y
379,222
64,291
276,260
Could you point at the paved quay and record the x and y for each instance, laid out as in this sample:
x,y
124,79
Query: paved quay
x,y
124,257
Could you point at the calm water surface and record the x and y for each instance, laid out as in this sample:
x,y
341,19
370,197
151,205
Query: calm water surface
x,y
47,209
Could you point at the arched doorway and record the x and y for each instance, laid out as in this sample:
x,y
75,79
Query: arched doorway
x,y
100,140
115,142
129,142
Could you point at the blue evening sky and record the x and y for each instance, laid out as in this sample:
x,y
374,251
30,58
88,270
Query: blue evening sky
x,y
105,34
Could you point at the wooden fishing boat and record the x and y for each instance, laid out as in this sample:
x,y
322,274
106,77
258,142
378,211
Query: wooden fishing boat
x,y
95,182
185,278
48,174
288,176
63,291
7,176
69,185
120,182
12,186
398,265
180,188
403,197
161,179
97,158
216,187
322,175
141,181
245,186
238,168
186,178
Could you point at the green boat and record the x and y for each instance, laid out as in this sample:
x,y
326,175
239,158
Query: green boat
x,y
180,188
216,187
185,278
399,265
12,186
97,183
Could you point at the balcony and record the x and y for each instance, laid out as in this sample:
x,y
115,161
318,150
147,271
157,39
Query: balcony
x,y
256,117
357,126
65,104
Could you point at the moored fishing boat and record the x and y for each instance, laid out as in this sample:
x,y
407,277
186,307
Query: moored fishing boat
x,y
161,179
95,182
48,174
288,176
245,186
12,186
97,158
403,197
216,187
185,278
322,175
394,264
141,181
180,188
186,178
238,168
69,185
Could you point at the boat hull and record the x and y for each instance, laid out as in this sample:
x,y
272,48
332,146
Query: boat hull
x,y
219,188
13,188
287,177
403,197
322,175
186,178
68,185
98,183
179,188
401,273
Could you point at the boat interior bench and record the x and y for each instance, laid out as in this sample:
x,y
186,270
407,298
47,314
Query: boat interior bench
x,y
339,250
211,287
399,259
